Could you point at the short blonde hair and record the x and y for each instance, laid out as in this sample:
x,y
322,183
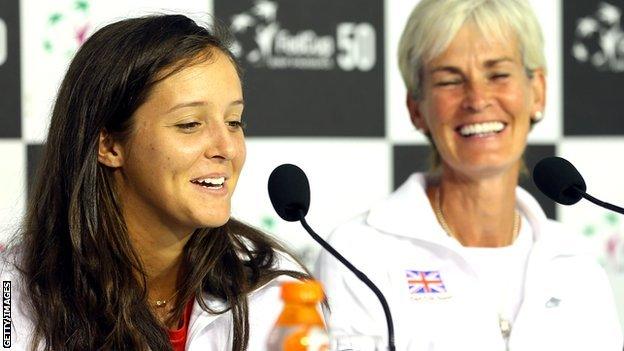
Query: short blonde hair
x,y
433,24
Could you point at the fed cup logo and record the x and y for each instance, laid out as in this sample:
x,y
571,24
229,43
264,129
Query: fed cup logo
x,y
599,39
67,29
263,42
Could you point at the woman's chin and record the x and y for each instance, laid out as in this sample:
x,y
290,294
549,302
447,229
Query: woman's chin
x,y
212,220
215,222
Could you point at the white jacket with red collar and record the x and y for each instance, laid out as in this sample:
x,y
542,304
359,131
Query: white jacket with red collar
x,y
568,303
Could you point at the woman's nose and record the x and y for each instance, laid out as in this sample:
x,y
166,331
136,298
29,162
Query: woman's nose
x,y
477,97
222,142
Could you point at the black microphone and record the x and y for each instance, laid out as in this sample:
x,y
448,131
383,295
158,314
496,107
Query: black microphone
x,y
558,179
289,191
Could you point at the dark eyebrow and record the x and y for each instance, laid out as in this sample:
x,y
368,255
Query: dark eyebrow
x,y
202,103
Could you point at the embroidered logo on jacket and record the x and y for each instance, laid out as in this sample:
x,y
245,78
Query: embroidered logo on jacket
x,y
424,283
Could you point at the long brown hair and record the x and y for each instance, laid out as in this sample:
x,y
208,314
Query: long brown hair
x,y
76,259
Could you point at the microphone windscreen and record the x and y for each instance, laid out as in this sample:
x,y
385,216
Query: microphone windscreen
x,y
558,179
289,192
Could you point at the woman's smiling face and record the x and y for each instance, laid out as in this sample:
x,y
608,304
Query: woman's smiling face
x,y
182,160
476,103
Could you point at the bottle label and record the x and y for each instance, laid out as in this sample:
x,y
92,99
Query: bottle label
x,y
318,339
298,339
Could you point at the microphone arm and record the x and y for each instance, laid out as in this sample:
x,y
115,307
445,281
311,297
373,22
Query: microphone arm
x,y
603,204
358,274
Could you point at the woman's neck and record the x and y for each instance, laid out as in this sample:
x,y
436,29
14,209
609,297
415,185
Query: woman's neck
x,y
161,254
479,211
163,266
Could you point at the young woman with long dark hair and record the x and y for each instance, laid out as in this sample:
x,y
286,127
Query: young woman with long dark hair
x,y
128,242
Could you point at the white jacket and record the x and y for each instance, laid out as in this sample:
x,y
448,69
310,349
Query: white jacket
x,y
567,305
206,332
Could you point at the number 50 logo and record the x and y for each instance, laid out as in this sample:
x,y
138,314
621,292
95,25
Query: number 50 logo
x,y
3,42
356,43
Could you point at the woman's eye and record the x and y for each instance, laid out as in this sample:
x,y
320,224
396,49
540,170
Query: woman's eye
x,y
188,127
499,76
445,83
236,124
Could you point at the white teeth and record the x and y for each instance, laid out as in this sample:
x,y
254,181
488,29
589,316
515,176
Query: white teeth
x,y
212,181
481,128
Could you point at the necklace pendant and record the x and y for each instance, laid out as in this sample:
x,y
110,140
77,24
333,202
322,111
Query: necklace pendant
x,y
161,303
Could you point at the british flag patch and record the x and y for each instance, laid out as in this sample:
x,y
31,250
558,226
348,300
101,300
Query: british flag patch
x,y
424,282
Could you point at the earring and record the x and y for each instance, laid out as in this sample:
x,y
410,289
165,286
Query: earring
x,y
538,116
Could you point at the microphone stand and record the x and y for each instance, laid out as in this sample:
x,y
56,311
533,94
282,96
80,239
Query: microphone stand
x,y
359,274
603,204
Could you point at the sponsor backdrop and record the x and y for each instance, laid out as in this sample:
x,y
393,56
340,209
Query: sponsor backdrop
x,y
323,91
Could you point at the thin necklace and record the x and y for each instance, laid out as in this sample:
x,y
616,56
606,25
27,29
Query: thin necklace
x,y
163,303
503,323
440,216
160,303
162,309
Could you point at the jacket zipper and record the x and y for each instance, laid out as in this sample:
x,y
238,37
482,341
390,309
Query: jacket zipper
x,y
505,328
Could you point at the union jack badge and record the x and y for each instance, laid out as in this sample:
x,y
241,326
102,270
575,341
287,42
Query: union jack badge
x,y
424,282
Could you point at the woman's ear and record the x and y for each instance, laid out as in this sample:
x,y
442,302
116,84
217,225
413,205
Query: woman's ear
x,y
418,120
538,84
109,151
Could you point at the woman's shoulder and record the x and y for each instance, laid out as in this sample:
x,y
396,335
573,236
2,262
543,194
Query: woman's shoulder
x,y
560,240
287,262
253,241
357,232
556,231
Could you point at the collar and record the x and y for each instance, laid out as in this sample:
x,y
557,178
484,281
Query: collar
x,y
200,319
408,213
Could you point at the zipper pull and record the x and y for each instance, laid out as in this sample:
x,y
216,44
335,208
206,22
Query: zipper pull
x,y
505,328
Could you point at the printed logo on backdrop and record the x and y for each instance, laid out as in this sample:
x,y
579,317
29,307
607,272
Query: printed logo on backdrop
x,y
312,67
10,85
607,232
593,67
600,39
265,43
67,27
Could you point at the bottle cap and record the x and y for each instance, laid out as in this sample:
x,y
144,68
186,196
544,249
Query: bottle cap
x,y
307,291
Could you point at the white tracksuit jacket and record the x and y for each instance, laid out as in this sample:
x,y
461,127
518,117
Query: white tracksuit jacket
x,y
568,303
207,332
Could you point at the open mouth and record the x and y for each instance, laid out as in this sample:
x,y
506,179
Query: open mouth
x,y
212,183
480,130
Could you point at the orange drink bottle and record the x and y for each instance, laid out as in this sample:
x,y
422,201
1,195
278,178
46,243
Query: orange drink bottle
x,y
300,326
